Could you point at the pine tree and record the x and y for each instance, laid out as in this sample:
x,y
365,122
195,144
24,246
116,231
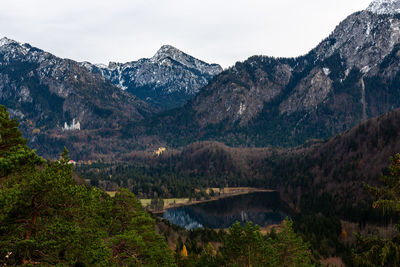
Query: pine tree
x,y
245,246
376,251
14,153
290,247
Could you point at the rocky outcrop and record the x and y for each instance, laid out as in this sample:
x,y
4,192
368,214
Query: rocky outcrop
x,y
308,93
239,94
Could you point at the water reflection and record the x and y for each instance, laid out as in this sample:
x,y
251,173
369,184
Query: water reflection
x,y
262,208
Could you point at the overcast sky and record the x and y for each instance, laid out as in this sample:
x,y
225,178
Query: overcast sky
x,y
216,31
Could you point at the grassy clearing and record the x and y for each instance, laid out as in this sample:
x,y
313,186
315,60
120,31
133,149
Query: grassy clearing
x,y
111,193
234,190
167,201
219,193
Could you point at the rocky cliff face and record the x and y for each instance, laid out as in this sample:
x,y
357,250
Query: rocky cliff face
x,y
350,76
51,96
166,80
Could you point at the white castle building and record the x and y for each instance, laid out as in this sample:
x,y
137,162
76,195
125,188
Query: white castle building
x,y
73,126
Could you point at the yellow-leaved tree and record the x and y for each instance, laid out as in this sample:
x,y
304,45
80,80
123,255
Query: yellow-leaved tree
x,y
184,252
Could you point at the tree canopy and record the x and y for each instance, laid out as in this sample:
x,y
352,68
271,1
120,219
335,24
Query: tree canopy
x,y
373,250
48,219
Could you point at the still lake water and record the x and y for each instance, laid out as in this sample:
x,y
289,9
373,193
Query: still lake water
x,y
262,208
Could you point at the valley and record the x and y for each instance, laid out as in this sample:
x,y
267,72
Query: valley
x,y
175,161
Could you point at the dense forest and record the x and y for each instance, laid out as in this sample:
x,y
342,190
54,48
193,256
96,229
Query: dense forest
x,y
323,181
49,217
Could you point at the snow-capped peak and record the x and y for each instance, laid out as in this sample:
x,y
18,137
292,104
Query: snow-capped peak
x,y
381,7
168,51
6,41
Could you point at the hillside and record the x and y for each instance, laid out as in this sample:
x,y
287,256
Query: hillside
x,y
48,219
349,77
54,98
336,168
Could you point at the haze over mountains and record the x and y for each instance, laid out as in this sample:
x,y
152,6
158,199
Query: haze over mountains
x,y
349,77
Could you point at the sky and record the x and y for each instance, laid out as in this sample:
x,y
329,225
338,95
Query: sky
x,y
216,31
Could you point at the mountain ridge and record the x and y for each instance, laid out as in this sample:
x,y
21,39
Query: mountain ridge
x,y
47,93
350,76
166,80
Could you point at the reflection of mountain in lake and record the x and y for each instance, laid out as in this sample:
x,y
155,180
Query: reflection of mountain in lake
x,y
262,208
180,217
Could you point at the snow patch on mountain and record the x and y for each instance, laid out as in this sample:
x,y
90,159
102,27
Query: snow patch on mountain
x,y
169,78
326,71
382,7
6,41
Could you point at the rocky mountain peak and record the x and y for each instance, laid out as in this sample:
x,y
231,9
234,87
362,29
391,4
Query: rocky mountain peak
x,y
168,79
168,51
381,7
6,41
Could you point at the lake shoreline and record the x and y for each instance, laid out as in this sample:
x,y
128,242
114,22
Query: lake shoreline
x,y
230,192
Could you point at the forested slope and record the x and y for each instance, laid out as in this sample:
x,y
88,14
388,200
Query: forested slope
x,y
47,219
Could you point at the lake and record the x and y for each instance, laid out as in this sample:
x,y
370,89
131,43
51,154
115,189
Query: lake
x,y
262,208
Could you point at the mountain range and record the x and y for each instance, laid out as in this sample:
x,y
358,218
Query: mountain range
x,y
351,76
61,102
48,95
166,80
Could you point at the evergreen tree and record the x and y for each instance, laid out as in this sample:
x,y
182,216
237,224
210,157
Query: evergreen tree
x,y
290,247
47,219
245,246
14,153
376,251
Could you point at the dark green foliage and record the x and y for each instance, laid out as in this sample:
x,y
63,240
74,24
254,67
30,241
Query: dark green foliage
x,y
134,240
47,219
13,150
245,246
336,65
101,112
157,204
375,251
392,58
320,231
159,97
350,84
